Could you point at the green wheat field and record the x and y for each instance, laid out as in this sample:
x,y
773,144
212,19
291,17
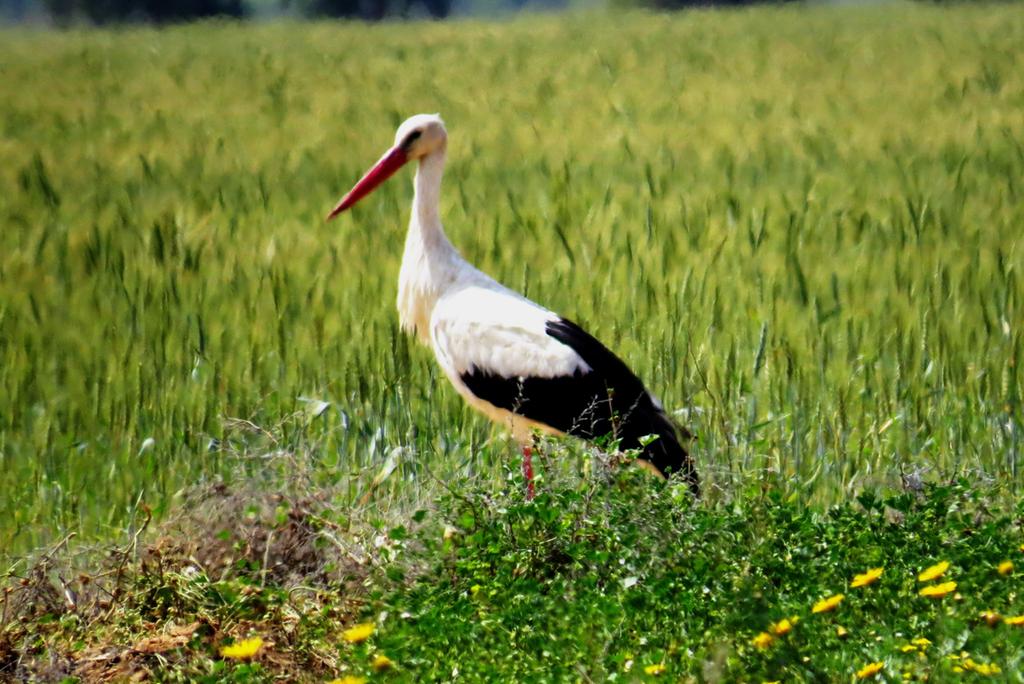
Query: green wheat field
x,y
801,226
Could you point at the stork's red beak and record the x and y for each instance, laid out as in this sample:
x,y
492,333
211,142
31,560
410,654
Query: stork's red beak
x,y
393,159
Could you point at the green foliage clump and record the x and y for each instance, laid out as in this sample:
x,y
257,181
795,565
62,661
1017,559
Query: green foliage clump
x,y
600,583
593,579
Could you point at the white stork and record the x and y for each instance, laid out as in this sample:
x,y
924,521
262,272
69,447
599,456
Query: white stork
x,y
518,363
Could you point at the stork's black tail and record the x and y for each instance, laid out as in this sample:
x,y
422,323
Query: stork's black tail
x,y
616,401
666,453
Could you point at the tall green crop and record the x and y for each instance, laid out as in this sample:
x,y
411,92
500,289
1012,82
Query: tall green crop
x,y
800,226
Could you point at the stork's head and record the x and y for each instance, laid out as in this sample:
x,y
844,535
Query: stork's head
x,y
421,135
418,137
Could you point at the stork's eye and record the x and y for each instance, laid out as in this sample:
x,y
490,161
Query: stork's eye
x,y
412,137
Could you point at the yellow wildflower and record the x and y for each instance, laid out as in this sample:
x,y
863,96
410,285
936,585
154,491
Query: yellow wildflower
x,y
348,679
864,579
381,662
784,626
242,650
938,590
990,617
1006,567
842,632
359,633
763,640
1016,621
869,670
987,669
933,572
654,670
827,604
920,644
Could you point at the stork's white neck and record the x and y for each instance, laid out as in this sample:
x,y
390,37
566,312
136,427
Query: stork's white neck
x,y
427,185
430,264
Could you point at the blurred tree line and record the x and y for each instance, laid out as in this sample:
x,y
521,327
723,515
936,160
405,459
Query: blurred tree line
x,y
164,11
64,12
374,9
161,11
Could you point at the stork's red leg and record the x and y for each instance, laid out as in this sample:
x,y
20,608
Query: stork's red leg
x,y
528,471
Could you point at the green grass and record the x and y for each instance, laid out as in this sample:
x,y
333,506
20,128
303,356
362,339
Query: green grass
x,y
801,226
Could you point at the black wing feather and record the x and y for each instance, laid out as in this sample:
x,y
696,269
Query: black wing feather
x,y
608,400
